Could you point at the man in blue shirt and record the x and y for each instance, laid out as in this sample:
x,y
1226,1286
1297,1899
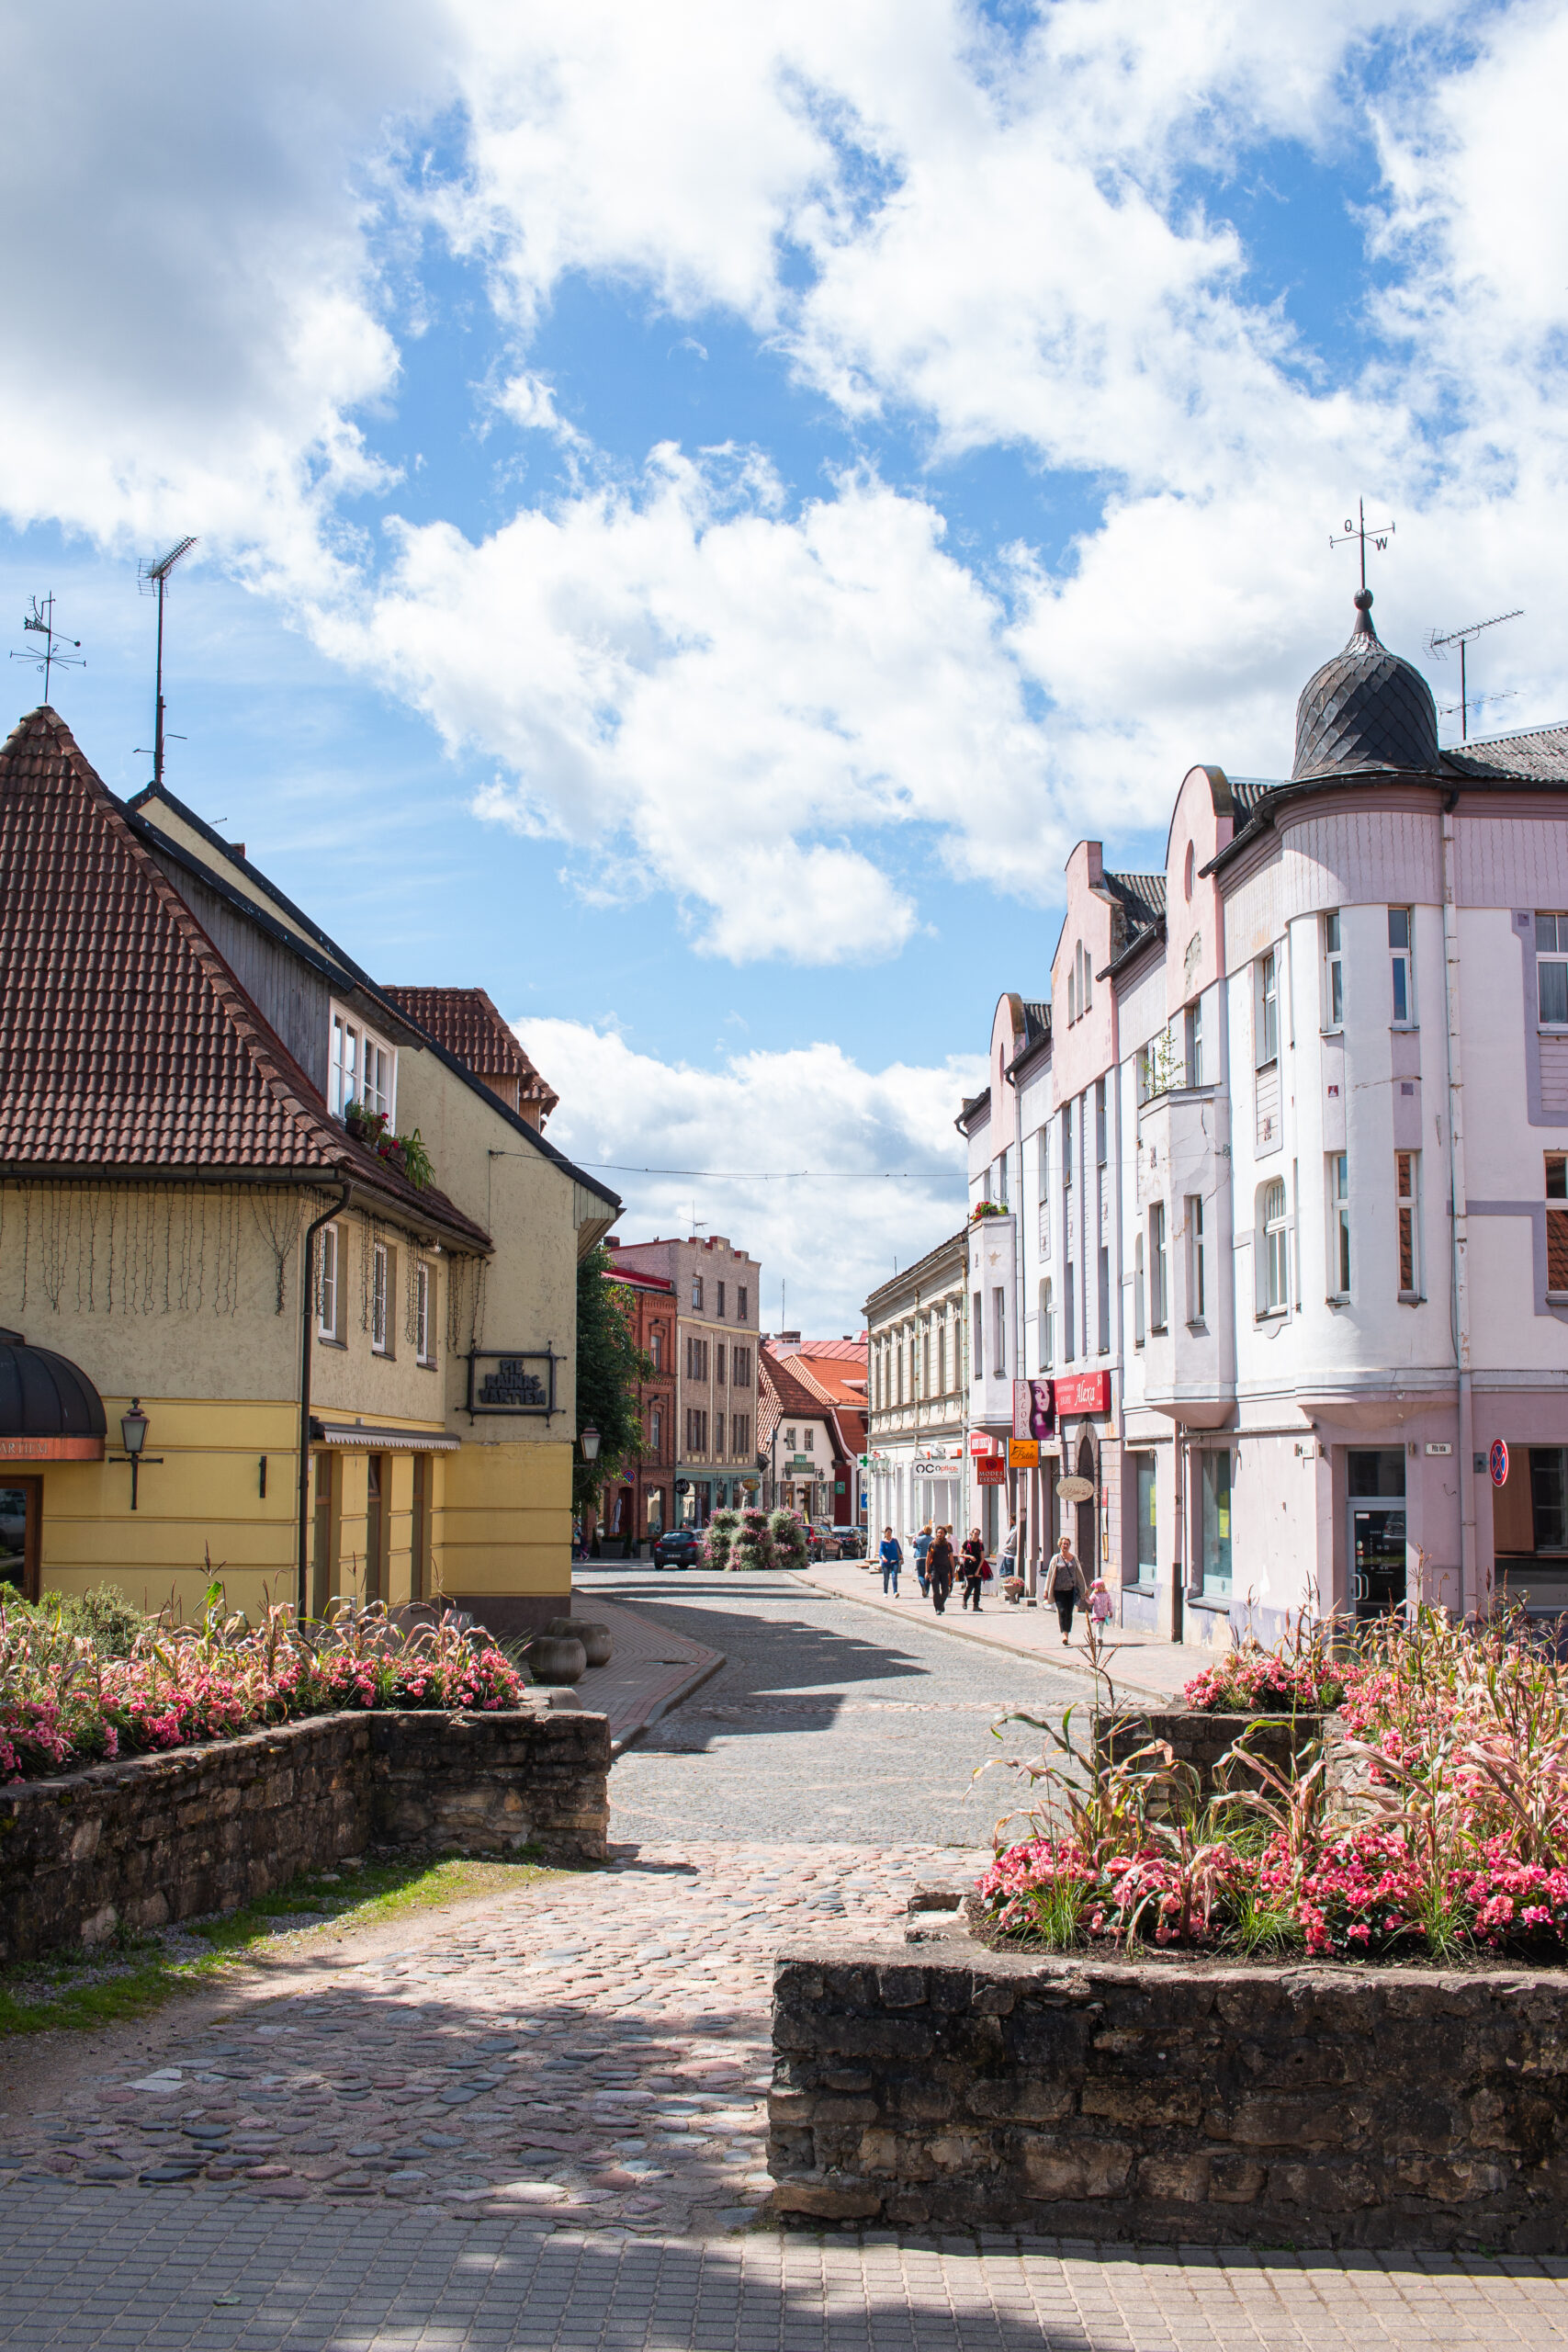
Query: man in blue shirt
x,y
921,1546
892,1556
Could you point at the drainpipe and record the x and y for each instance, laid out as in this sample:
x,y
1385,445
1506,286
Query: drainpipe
x,y
1459,1309
306,1301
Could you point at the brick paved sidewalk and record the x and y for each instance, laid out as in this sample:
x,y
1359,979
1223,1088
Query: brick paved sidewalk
x,y
652,1668
1140,1666
88,2271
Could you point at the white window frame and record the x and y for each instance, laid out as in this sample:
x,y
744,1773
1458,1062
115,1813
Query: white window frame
x,y
1159,1281
1407,1221
1193,1023
1274,1248
1139,1327
424,1322
362,1067
1047,1327
1333,973
999,1331
380,1299
1197,1269
329,1278
1341,1261
1401,966
1266,1034
1556,958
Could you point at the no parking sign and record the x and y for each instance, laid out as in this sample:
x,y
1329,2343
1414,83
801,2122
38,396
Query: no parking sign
x,y
1498,1461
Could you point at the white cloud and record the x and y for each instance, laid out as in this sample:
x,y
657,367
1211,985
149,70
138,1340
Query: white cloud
x,y
722,697
770,1113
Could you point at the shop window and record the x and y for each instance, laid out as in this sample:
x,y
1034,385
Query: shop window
x,y
1549,1497
1144,1466
1215,1505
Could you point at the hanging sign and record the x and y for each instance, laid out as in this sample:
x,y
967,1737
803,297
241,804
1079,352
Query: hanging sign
x,y
1033,1415
1076,1490
1498,1462
1023,1453
990,1470
1085,1393
981,1442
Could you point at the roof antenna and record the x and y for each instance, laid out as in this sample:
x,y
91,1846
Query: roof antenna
x,y
40,622
1380,535
146,575
1461,637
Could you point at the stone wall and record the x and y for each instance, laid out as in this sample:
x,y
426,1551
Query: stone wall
x,y
200,1829
942,2086
1200,1739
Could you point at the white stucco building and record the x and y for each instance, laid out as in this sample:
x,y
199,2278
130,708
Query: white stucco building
x,y
1230,1151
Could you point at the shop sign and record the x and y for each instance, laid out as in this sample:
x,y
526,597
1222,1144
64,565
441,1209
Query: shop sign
x,y
1441,1446
1033,1413
1023,1453
1076,1490
52,1449
1498,1461
1086,1394
982,1442
990,1470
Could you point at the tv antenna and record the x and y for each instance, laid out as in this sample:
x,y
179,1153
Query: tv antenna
x,y
147,575
1380,535
40,622
1439,643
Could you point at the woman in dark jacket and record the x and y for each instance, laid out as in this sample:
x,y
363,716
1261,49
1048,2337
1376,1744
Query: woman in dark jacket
x,y
972,1569
1066,1584
939,1568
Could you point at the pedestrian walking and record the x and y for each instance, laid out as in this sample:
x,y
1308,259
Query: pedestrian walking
x,y
892,1557
1099,1603
922,1547
938,1569
1066,1584
972,1569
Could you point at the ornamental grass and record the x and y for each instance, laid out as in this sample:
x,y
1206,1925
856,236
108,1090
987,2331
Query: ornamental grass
x,y
68,1699
1428,1821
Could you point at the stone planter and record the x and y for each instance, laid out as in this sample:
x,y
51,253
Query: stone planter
x,y
206,1828
557,1657
1200,1739
946,2087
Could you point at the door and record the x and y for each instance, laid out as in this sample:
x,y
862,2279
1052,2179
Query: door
x,y
1086,1540
1377,1557
21,1512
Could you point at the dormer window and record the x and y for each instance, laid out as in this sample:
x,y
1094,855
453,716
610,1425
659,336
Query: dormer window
x,y
363,1068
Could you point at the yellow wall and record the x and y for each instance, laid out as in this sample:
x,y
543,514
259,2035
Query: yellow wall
x,y
503,1520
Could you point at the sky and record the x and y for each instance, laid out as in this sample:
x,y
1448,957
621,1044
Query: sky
x,y
699,509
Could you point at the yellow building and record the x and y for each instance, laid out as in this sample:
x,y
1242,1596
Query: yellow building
x,y
355,1367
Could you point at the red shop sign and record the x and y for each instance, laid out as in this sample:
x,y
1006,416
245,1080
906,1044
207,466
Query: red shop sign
x,y
990,1470
1085,1393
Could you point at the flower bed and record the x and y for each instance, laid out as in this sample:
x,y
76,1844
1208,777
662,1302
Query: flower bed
x,y
64,1704
1454,1840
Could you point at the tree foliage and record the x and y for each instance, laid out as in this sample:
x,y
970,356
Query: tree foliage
x,y
609,1366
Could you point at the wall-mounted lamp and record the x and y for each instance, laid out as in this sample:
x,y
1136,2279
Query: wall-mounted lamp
x,y
134,1436
588,1440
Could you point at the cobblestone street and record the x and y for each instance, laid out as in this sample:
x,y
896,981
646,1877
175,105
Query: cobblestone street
x,y
537,2118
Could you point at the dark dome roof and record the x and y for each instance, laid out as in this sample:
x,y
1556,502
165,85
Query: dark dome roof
x,y
44,1395
1365,709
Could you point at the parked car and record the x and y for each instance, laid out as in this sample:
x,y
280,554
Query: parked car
x,y
821,1541
678,1547
850,1541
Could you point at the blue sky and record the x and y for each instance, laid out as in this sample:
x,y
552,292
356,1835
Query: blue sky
x,y
697,515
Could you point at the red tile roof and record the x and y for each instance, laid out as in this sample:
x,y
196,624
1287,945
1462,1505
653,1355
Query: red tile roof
x,y
467,1024
126,1042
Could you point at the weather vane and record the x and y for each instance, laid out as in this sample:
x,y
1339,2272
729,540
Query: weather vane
x,y
40,622
1380,535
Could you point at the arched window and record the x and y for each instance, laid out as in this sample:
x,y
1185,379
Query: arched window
x,y
1271,1218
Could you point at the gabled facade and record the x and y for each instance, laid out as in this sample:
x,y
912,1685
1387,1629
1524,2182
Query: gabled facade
x,y
639,1505
718,1296
356,1364
918,1385
1293,1243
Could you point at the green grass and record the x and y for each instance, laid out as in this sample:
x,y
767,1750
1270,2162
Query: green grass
x,y
81,1988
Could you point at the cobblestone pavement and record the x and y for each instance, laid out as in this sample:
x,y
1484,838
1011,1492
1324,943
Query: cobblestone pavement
x,y
537,2119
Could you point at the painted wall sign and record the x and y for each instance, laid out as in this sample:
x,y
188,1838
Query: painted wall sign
x,y
513,1380
1086,1393
52,1449
1498,1461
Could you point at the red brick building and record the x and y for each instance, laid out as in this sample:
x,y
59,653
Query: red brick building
x,y
638,1504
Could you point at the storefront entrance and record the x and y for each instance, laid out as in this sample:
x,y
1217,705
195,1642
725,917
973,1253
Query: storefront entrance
x,y
1376,1485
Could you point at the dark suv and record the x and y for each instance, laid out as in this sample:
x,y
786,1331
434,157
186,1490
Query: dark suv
x,y
678,1547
